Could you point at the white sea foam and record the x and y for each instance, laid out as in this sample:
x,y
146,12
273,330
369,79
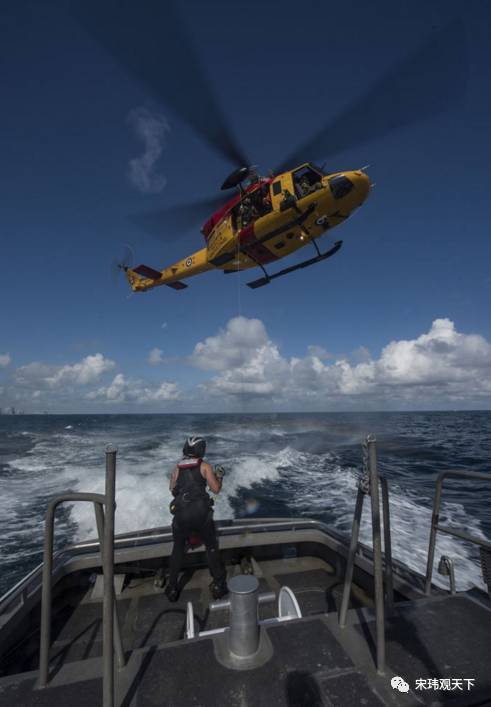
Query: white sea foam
x,y
333,489
309,484
143,495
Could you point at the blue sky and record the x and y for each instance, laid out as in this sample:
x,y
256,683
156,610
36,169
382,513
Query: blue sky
x,y
414,267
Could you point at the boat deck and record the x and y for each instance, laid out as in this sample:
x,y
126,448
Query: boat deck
x,y
308,661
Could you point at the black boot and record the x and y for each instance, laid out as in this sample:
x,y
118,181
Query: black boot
x,y
172,592
218,589
159,580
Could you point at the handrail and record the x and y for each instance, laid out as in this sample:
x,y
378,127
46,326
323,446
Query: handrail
x,y
389,583
30,583
105,529
109,604
435,526
368,485
45,631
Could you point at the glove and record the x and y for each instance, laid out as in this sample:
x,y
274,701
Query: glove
x,y
219,472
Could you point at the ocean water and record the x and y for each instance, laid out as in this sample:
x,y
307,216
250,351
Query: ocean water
x,y
277,465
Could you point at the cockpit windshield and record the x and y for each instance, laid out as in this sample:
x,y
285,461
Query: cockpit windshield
x,y
340,186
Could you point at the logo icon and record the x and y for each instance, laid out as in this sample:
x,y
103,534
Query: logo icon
x,y
399,683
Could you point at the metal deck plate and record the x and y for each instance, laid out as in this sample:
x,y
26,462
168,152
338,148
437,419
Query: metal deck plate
x,y
440,638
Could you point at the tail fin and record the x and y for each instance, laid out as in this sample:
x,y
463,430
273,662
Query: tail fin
x,y
177,285
146,271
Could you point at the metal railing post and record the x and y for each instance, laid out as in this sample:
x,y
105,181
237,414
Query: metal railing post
x,y
377,555
108,568
350,563
45,628
434,526
118,643
368,484
435,520
389,585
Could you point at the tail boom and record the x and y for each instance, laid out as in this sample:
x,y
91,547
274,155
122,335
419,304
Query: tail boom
x,y
144,278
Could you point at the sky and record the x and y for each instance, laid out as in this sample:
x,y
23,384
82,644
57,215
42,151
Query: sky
x,y
398,319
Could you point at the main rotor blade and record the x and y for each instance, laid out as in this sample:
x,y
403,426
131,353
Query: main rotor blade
x,y
425,83
148,39
168,224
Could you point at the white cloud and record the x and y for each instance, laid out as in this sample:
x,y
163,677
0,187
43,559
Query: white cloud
x,y
88,370
233,347
437,368
122,390
151,128
5,360
155,357
440,368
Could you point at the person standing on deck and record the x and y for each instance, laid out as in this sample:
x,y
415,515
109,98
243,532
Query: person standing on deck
x,y
193,514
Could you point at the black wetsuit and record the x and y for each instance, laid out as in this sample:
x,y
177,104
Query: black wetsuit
x,y
193,514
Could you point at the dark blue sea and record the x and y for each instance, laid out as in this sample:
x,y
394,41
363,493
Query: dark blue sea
x,y
277,465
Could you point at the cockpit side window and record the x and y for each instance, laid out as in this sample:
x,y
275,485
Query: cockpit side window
x,y
306,180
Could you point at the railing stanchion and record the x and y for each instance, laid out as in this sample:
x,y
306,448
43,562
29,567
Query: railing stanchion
x,y
377,555
118,643
435,520
389,585
45,635
355,531
45,628
108,569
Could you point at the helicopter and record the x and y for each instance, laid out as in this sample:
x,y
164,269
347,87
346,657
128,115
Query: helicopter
x,y
270,217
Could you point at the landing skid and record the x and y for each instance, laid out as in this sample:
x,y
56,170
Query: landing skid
x,y
305,264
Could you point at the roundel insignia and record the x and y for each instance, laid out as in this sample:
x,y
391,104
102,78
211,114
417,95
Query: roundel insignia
x,y
189,262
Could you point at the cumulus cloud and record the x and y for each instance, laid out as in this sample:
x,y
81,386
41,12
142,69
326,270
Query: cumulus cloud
x,y
438,367
122,390
231,347
155,357
81,385
151,129
5,360
88,370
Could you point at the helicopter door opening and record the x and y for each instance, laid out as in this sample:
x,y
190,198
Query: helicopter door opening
x,y
253,205
306,180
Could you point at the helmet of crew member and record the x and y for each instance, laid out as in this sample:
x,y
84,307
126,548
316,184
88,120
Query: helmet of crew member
x,y
194,447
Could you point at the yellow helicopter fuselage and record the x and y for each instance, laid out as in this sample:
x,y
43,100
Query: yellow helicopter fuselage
x,y
273,218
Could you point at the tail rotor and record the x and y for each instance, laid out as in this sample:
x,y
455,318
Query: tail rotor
x,y
122,264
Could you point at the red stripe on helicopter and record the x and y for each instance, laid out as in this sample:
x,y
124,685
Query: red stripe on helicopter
x,y
251,247
259,253
229,205
246,235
